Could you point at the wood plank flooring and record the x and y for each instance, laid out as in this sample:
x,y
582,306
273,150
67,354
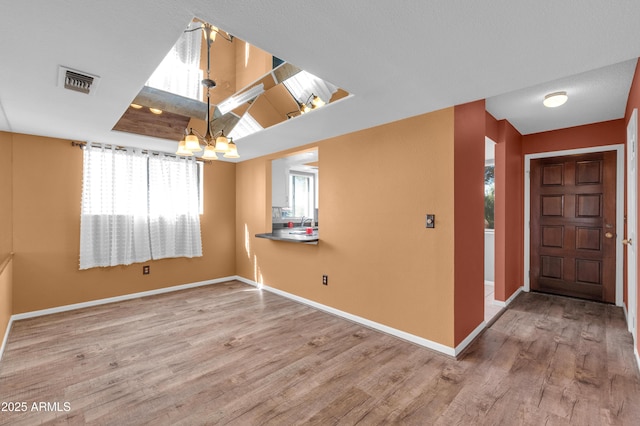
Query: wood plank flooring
x,y
231,354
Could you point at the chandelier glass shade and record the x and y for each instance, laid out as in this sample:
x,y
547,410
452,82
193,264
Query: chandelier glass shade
x,y
193,141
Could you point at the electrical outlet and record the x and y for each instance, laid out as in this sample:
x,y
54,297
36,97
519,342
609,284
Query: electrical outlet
x,y
145,270
325,279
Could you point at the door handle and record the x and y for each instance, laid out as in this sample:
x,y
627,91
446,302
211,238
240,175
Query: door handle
x,y
627,242
608,235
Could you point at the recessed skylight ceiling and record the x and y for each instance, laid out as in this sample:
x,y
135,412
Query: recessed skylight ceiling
x,y
507,46
253,91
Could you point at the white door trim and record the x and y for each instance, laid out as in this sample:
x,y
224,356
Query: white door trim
x,y
632,223
620,162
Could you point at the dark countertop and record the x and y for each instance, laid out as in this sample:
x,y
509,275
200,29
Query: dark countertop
x,y
292,235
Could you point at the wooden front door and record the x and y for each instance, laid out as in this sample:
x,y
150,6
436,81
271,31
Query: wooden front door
x,y
573,225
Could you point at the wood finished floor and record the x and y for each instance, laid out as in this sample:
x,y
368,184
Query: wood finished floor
x,y
230,354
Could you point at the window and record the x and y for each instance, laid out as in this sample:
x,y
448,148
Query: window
x,y
137,207
302,194
294,188
489,196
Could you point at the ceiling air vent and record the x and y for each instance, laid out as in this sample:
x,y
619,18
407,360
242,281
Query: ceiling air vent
x,y
77,81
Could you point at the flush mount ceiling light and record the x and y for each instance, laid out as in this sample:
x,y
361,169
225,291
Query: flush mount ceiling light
x,y
553,100
192,140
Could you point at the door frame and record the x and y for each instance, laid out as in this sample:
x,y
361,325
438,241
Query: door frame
x,y
631,310
620,195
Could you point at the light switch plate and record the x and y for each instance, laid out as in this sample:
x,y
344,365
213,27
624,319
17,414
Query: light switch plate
x,y
431,221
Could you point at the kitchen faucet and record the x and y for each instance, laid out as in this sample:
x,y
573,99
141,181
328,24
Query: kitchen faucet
x,y
304,219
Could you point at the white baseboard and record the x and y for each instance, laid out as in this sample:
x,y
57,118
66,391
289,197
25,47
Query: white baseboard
x,y
491,283
470,338
447,350
98,302
6,337
509,300
360,320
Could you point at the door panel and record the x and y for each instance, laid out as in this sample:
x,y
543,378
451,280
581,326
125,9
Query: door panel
x,y
573,226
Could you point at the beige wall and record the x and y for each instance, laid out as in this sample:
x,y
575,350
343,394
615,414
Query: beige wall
x,y
223,69
6,230
382,263
6,294
46,211
251,63
6,201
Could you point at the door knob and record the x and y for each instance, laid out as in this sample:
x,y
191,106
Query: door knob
x,y
628,242
608,235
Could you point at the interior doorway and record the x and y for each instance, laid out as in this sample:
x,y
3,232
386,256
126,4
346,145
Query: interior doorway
x,y
490,307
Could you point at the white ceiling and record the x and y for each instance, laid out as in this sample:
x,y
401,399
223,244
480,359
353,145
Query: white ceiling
x,y
594,96
398,59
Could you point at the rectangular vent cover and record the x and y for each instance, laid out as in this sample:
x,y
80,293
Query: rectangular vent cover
x,y
77,81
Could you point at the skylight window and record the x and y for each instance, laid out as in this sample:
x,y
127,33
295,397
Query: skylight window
x,y
240,90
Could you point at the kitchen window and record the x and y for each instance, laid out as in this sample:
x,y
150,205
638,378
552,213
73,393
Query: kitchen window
x,y
302,194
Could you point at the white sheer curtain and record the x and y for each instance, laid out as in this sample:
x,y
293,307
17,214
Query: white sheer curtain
x,y
180,72
174,219
137,207
114,223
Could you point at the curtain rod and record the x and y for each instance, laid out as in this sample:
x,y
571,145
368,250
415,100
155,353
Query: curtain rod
x,y
81,145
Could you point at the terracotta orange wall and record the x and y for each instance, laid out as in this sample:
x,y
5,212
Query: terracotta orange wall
x,y
634,102
6,231
46,211
598,134
469,152
509,211
382,263
491,127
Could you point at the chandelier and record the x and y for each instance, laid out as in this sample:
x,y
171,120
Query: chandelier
x,y
313,101
193,141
